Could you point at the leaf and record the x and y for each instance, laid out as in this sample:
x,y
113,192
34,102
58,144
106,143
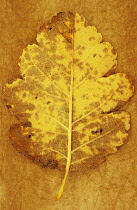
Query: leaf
x,y
66,102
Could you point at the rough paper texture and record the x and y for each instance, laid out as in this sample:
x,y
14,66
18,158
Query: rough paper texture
x,y
24,185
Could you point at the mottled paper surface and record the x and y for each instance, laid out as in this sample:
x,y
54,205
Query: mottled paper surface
x,y
24,185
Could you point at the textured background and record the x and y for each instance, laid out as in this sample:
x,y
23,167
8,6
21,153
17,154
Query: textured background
x,y
26,186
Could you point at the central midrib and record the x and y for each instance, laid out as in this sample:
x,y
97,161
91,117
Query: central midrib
x,y
69,127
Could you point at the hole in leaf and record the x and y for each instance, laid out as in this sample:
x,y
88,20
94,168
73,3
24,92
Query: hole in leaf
x,y
50,28
101,130
32,134
97,131
36,97
9,106
93,132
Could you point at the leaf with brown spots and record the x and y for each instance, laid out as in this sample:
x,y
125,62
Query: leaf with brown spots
x,y
66,99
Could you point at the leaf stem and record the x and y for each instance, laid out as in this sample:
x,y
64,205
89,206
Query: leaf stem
x,y
60,192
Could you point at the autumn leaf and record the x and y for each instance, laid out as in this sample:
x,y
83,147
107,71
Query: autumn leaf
x,y
67,100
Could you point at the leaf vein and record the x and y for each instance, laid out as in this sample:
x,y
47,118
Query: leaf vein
x,y
45,148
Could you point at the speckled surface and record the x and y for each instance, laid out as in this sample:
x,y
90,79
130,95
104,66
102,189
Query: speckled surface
x,y
23,184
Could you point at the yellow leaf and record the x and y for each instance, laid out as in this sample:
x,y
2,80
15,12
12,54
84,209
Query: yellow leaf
x,y
67,101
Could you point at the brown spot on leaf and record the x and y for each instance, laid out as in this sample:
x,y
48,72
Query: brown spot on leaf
x,y
55,77
105,50
27,124
77,21
91,38
78,47
113,52
94,55
80,52
27,57
52,164
76,60
82,48
84,120
95,72
48,102
82,135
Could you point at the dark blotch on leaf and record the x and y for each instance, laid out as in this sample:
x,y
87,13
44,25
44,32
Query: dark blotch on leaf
x,y
9,106
52,164
27,124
